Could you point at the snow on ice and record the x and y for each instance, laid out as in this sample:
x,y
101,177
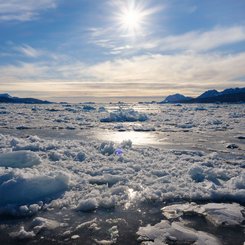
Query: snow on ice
x,y
47,168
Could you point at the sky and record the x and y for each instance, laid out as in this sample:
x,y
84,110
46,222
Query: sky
x,y
83,49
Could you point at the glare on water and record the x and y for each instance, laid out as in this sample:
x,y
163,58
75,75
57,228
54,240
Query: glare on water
x,y
138,138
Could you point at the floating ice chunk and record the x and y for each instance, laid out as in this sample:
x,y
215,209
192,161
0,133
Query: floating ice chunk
x,y
197,173
80,156
114,233
88,108
14,142
71,109
103,242
200,109
129,115
107,148
39,224
74,237
35,146
22,234
224,214
20,159
143,129
34,208
87,205
177,210
34,108
164,232
54,156
107,203
21,211
70,127
106,179
102,109
237,182
86,224
126,144
185,126
214,122
34,138
220,214
20,189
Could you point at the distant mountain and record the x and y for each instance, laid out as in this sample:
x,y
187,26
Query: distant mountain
x,y
175,98
231,95
233,91
209,93
6,98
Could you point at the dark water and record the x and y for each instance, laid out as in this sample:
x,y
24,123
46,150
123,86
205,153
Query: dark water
x,y
128,222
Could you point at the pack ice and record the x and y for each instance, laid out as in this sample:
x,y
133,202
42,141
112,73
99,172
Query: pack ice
x,y
54,167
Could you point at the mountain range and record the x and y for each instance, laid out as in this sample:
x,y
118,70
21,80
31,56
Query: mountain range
x,y
231,95
6,98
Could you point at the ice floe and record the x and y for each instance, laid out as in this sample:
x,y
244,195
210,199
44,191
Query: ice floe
x,y
166,232
220,214
19,159
128,115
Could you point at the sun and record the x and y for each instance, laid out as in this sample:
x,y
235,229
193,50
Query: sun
x,y
131,20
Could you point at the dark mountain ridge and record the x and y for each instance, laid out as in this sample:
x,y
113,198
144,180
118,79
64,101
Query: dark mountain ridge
x,y
6,98
231,95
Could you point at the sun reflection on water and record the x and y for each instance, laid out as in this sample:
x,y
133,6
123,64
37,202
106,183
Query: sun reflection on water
x,y
131,197
138,138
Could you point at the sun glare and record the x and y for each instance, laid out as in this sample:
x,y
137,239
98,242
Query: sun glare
x,y
131,20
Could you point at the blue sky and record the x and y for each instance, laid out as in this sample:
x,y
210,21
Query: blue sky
x,y
57,49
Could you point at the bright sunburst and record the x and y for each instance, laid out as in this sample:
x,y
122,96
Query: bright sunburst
x,y
131,18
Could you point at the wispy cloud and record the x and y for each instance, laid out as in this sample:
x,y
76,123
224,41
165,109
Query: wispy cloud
x,y
29,51
23,10
152,75
197,41
203,41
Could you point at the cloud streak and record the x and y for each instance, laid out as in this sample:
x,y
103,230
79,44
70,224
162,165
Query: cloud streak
x,y
15,10
29,51
203,41
197,41
146,75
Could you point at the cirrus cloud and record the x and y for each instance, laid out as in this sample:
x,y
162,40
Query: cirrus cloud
x,y
145,75
23,10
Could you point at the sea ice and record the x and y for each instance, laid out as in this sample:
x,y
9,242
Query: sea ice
x,y
220,214
22,234
128,115
87,205
176,232
39,223
19,159
23,188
